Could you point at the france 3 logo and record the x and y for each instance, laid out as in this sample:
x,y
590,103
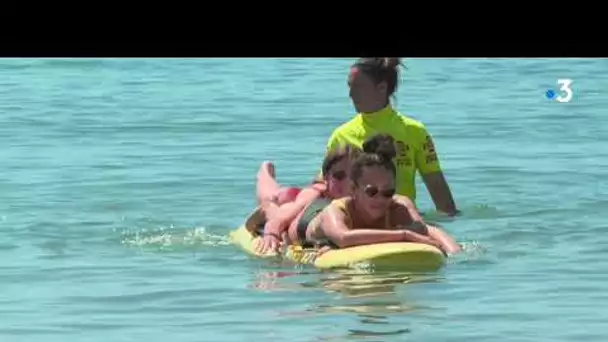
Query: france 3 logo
x,y
565,91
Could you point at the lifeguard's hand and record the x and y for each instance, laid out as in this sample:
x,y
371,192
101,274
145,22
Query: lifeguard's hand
x,y
269,242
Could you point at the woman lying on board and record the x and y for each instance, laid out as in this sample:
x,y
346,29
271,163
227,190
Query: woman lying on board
x,y
372,213
367,200
280,207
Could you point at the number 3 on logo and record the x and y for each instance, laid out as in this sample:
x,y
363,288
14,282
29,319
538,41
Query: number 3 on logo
x,y
565,88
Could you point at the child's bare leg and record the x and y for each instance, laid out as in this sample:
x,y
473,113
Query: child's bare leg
x,y
267,187
271,197
270,210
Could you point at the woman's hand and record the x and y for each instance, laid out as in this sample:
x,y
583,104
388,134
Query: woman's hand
x,y
411,236
269,242
449,244
439,246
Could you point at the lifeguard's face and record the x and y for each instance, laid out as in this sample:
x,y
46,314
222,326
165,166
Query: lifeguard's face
x,y
367,96
374,191
337,179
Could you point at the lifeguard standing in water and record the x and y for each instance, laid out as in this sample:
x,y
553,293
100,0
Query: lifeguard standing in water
x,y
372,82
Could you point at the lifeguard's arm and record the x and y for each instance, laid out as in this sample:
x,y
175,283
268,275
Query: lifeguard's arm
x,y
335,229
440,192
288,211
427,162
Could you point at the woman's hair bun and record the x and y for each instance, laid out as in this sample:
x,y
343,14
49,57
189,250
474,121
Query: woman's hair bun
x,y
392,62
382,144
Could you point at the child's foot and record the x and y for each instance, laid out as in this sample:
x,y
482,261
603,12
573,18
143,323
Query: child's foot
x,y
269,167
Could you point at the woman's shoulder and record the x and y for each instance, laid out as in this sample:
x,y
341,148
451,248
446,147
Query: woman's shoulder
x,y
346,127
410,121
413,126
342,204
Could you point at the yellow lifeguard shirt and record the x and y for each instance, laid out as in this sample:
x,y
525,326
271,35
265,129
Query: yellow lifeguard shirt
x,y
415,148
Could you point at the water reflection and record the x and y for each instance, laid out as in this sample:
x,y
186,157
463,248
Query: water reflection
x,y
372,298
361,283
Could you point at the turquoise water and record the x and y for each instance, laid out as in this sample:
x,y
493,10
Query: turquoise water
x,y
120,179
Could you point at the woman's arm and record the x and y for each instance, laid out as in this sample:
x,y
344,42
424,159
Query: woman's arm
x,y
417,222
449,245
289,211
334,228
406,207
420,231
281,218
410,206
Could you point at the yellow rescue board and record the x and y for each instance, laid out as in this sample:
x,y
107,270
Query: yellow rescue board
x,y
402,256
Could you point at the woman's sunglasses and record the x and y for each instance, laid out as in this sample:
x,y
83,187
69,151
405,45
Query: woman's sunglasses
x,y
372,191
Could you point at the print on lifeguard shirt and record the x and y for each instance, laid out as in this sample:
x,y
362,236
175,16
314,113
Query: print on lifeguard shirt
x,y
402,154
431,155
